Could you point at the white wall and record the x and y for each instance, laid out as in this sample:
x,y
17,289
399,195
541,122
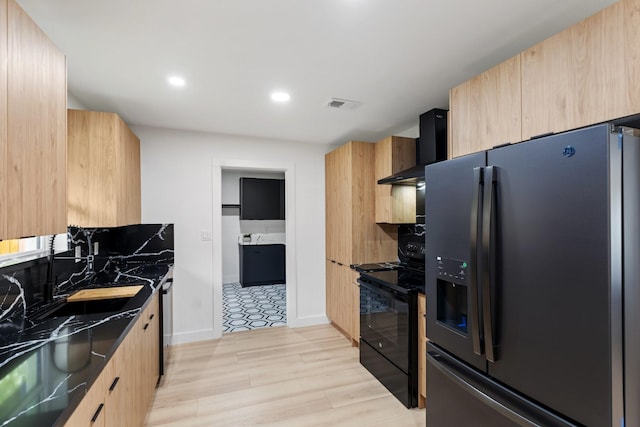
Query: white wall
x,y
232,227
177,174
74,103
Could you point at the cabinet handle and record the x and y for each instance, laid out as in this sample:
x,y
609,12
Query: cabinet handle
x,y
113,384
151,317
146,325
97,414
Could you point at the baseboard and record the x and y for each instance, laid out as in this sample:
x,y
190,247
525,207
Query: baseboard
x,y
193,336
207,334
301,322
231,279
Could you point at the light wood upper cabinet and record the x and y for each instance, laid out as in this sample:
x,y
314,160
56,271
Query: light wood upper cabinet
x,y
395,204
103,170
585,74
3,121
486,110
32,128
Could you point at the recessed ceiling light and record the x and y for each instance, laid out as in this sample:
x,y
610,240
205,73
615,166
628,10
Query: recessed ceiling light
x,y
176,81
280,97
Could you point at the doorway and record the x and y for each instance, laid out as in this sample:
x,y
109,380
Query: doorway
x,y
277,299
253,253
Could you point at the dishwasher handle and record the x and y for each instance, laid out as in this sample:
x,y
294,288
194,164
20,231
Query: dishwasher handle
x,y
166,290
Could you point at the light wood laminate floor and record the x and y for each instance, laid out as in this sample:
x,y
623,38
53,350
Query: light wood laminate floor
x,y
275,377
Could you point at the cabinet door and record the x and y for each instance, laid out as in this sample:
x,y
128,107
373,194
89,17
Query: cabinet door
x,y
3,122
261,199
117,388
128,174
338,203
330,267
585,74
344,317
354,289
486,110
133,354
262,264
36,130
92,168
422,351
103,170
91,410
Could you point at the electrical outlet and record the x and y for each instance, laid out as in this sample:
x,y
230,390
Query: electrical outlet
x,y
96,248
78,253
205,235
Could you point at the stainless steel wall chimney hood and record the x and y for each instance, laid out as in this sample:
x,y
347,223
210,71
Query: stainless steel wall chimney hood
x,y
431,147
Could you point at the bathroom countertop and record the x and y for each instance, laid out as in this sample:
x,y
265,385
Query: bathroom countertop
x,y
264,239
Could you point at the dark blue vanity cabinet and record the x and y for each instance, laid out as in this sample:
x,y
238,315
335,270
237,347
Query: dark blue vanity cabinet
x,y
262,264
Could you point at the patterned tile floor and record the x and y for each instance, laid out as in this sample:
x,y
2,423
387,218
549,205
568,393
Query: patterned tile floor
x,y
253,307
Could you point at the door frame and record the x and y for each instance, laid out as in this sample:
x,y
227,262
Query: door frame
x,y
290,237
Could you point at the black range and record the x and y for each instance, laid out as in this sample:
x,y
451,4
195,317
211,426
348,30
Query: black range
x,y
388,321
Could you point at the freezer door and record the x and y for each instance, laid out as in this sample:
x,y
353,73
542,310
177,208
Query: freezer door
x,y
550,281
460,396
451,248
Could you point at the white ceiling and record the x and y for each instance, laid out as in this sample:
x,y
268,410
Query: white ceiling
x,y
398,57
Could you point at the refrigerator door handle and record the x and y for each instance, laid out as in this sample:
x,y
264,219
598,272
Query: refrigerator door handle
x,y
473,260
488,254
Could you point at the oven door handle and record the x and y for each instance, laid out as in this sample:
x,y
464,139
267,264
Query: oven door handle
x,y
389,289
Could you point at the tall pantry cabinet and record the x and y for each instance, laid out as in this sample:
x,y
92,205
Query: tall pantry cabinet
x,y
352,236
33,106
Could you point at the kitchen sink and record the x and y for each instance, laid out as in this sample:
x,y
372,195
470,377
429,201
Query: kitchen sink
x,y
76,308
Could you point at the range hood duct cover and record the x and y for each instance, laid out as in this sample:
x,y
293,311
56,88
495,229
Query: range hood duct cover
x,y
431,147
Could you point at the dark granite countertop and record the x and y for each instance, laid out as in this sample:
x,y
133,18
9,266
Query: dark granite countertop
x,y
47,366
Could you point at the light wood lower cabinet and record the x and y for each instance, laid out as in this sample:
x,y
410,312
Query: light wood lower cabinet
x,y
343,300
124,390
422,351
90,411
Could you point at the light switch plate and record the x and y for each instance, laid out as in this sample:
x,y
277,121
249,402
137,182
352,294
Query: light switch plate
x,y
205,235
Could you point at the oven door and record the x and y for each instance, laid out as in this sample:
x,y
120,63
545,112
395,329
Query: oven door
x,y
385,322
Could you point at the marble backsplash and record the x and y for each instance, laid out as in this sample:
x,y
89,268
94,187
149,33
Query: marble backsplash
x,y
22,286
407,234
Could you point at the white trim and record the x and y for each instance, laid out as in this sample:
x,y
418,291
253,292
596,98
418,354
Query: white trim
x,y
302,322
193,336
290,239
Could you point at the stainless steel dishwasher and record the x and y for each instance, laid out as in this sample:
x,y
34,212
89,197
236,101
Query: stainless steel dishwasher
x,y
167,323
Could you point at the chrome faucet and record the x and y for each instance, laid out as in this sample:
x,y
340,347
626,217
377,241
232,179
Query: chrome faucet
x,y
89,258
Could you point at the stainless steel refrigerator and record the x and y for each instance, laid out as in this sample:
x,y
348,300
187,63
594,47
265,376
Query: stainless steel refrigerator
x,y
533,283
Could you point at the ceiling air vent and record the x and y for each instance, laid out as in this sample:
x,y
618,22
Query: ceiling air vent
x,y
343,104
